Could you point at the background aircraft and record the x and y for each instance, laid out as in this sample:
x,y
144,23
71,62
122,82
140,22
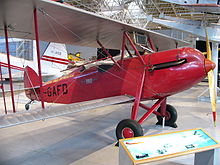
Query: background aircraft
x,y
53,60
204,6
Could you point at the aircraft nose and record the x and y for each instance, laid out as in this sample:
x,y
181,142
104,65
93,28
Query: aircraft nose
x,y
209,65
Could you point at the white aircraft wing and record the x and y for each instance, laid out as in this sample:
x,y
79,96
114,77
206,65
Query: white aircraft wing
x,y
69,25
204,8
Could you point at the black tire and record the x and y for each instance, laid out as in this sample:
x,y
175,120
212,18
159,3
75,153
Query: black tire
x,y
27,107
171,116
129,124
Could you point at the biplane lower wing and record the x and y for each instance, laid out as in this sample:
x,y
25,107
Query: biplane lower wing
x,y
50,112
8,92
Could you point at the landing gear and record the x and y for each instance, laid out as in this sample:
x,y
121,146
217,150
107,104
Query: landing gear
x,y
170,116
27,106
128,128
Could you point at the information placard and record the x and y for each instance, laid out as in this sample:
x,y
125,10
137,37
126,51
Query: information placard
x,y
156,147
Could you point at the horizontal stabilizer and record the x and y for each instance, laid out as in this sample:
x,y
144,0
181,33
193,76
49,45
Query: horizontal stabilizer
x,y
59,110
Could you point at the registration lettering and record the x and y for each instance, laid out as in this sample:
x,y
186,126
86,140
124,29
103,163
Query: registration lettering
x,y
60,89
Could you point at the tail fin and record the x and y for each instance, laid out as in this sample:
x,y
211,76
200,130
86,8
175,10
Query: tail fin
x,y
31,79
55,57
31,84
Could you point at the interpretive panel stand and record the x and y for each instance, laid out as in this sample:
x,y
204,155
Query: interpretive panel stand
x,y
142,150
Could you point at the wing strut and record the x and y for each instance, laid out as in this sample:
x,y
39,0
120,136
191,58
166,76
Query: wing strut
x,y
108,54
134,47
151,44
138,96
123,48
9,68
38,54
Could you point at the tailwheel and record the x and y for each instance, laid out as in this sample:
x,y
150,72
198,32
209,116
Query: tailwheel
x,y
27,106
128,128
170,116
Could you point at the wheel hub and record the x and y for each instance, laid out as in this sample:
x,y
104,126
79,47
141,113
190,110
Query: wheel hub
x,y
168,116
127,133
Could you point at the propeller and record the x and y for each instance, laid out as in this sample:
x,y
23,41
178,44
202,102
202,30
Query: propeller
x,y
211,80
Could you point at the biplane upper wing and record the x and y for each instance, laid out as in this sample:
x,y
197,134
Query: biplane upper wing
x,y
67,24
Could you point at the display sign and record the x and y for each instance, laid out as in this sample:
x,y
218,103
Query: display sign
x,y
162,145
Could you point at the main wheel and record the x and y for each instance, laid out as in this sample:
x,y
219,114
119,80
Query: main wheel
x,y
170,116
128,128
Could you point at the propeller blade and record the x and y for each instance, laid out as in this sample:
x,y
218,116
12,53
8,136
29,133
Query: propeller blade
x,y
212,87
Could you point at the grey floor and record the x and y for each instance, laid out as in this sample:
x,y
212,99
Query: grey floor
x,y
88,138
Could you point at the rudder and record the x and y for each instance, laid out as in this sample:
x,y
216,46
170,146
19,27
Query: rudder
x,y
31,79
31,84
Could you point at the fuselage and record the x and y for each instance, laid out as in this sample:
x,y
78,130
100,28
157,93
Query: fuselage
x,y
167,73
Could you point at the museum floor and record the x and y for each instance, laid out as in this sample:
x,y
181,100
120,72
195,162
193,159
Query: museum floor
x,y
88,138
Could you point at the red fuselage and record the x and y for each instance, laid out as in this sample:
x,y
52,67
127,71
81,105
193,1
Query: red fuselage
x,y
164,77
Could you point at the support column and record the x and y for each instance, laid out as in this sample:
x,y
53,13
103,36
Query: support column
x,y
215,71
215,60
38,54
35,66
204,158
9,68
3,91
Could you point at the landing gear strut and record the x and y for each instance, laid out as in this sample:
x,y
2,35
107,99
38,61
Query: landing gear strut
x,y
132,127
129,128
170,116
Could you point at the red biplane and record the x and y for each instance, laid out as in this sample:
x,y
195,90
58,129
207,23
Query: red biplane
x,y
155,75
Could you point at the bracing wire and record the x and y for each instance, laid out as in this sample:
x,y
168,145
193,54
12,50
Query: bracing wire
x,y
54,30
60,24
22,61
